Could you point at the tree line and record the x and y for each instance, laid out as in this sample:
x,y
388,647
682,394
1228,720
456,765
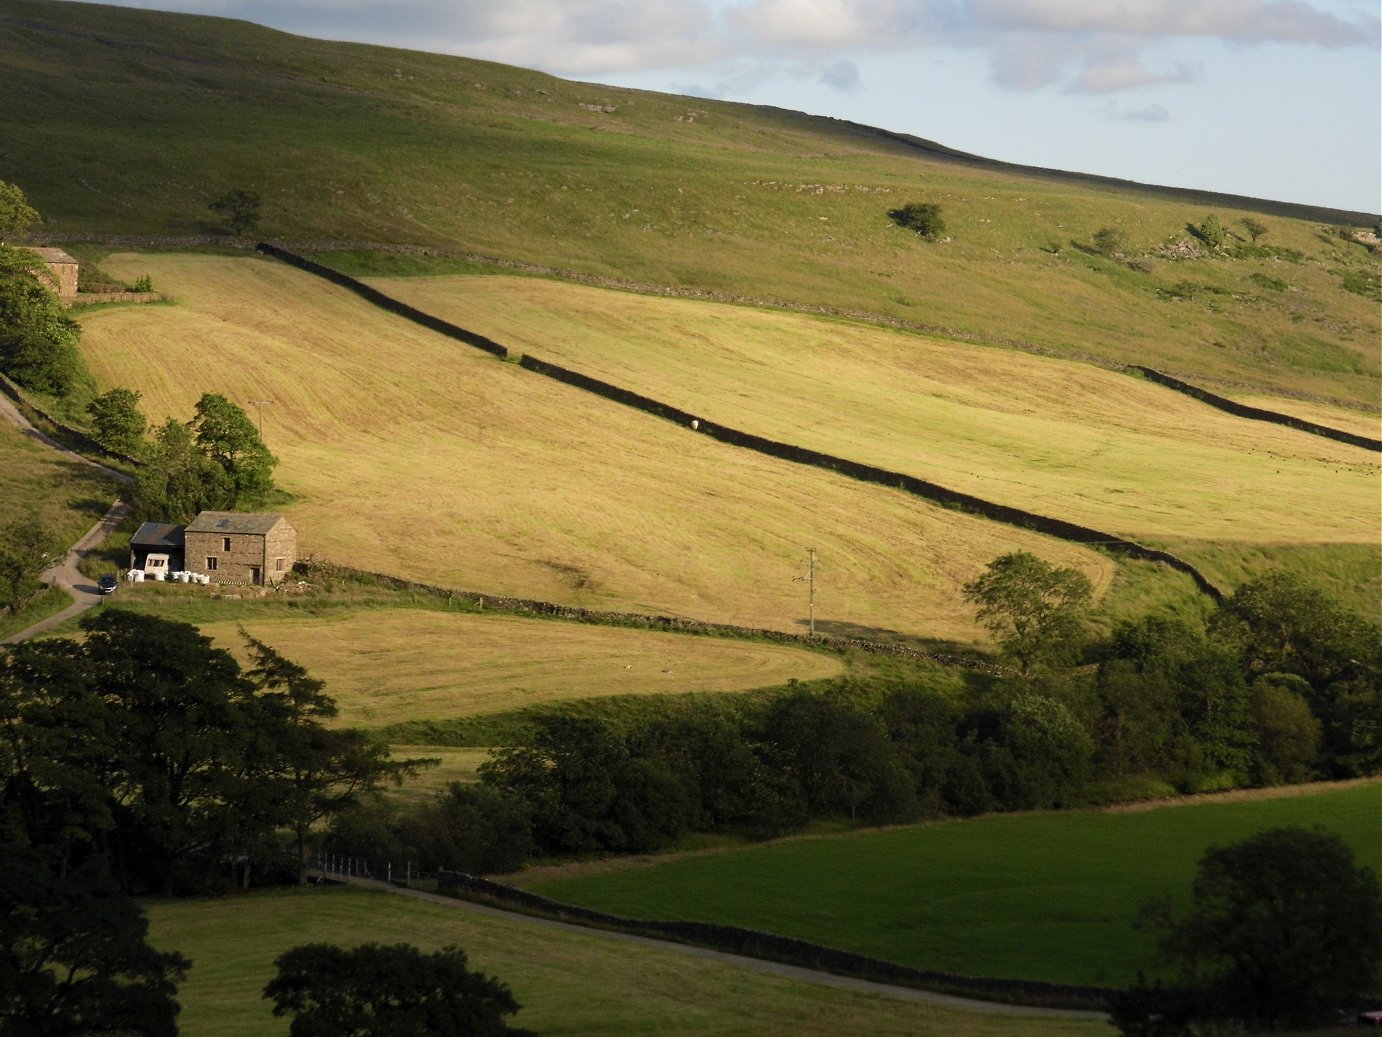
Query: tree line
x,y
1281,684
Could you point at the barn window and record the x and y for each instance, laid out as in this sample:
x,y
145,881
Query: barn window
x,y
225,543
278,564
211,565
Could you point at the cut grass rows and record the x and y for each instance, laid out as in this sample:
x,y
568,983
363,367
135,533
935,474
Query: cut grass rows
x,y
408,454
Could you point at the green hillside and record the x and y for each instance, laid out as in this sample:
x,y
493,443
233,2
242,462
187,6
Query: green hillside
x,y
122,121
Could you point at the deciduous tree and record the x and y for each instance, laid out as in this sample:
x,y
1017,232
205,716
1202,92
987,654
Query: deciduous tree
x,y
1032,607
117,423
37,337
238,207
229,438
1285,928
388,991
923,217
16,216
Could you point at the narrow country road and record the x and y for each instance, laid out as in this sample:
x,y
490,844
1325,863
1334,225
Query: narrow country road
x,y
755,964
66,574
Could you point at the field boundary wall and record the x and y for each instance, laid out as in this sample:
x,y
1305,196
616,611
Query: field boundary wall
x,y
639,620
385,302
75,437
937,494
730,939
1242,410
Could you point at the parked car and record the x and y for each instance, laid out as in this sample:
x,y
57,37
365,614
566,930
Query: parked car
x,y
107,583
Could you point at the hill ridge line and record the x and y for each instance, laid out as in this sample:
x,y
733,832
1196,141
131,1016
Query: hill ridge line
x,y
933,492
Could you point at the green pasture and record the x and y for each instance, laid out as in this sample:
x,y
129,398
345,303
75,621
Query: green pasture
x,y
348,143
568,982
410,454
1055,437
1036,896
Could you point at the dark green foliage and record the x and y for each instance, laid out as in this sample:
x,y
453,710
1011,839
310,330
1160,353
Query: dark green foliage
x,y
145,743
1285,929
238,208
1288,734
16,216
1367,283
178,480
217,462
74,957
1212,232
144,283
1272,284
1280,624
117,423
37,337
27,548
839,758
393,991
1255,228
1033,608
1109,241
922,217
229,438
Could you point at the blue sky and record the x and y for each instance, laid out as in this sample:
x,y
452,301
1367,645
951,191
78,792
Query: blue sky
x,y
1278,99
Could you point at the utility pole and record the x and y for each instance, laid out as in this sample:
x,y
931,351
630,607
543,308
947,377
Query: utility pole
x,y
259,409
810,580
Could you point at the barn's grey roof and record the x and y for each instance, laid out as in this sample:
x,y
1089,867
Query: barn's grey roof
x,y
52,255
158,534
233,522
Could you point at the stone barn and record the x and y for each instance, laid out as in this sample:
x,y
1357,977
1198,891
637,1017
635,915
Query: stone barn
x,y
62,272
240,547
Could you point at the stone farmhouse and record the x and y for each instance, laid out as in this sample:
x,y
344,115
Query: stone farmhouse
x,y
227,546
62,272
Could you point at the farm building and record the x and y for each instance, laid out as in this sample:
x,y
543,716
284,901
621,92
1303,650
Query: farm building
x,y
240,547
228,546
62,272
157,546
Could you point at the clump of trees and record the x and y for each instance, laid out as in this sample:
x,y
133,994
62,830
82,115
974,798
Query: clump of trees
x,y
117,423
145,746
1284,930
1281,684
38,340
215,462
388,991
922,217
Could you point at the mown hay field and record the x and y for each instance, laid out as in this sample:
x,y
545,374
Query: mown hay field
x,y
568,982
410,454
1050,896
389,666
1056,437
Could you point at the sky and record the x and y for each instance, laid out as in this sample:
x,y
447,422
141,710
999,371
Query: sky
x,y
1276,99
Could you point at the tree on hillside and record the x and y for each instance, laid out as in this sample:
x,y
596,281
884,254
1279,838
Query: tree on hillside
x,y
922,217
230,439
27,548
16,216
239,208
117,423
1211,232
178,480
1285,928
1255,228
74,955
1109,241
37,337
1032,607
312,772
393,991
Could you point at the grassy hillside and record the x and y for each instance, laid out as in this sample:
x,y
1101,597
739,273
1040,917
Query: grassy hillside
x,y
567,982
356,143
1054,437
406,453
1040,896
